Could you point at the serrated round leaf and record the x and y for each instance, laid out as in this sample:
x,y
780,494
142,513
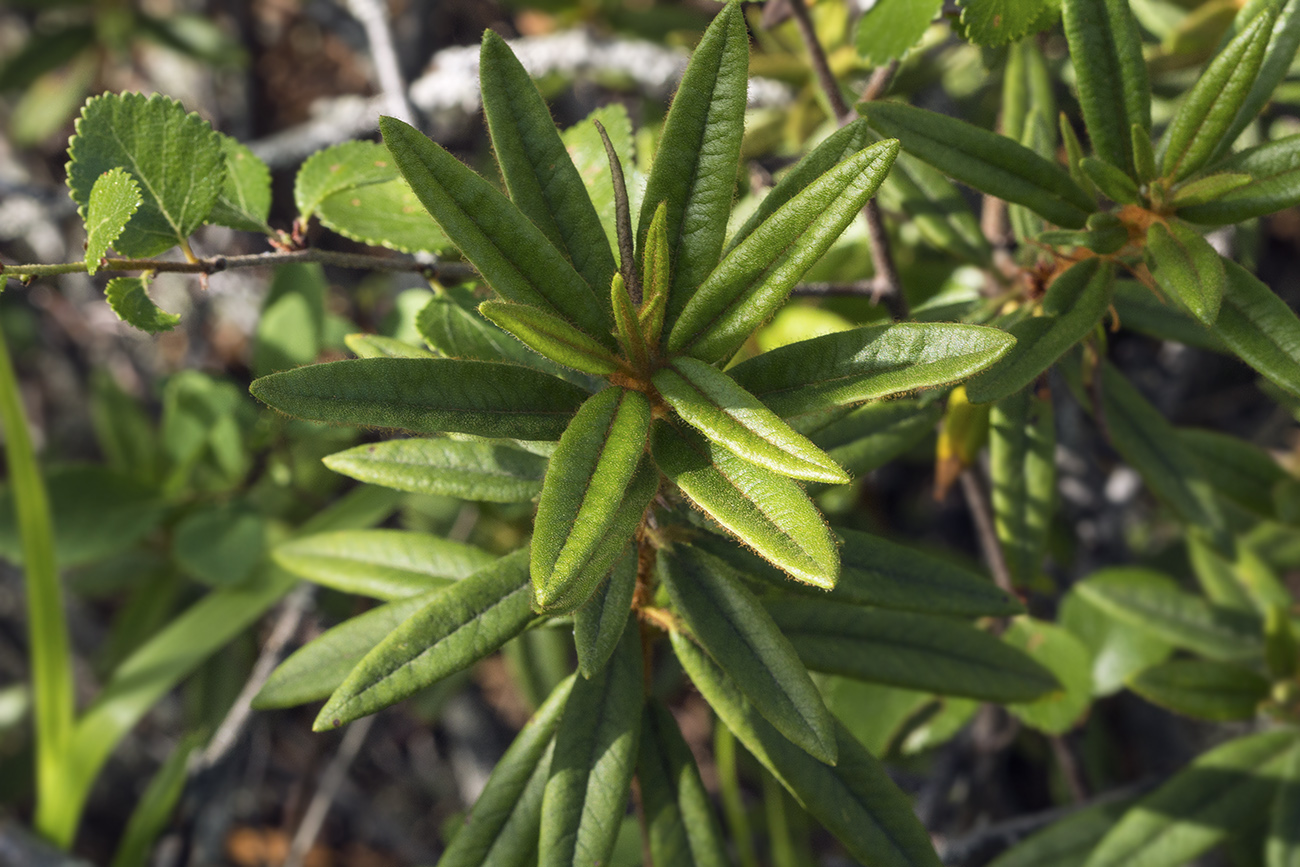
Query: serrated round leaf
x,y
732,626
1216,691
379,346
888,29
385,214
598,625
426,395
1067,659
245,198
113,199
176,158
442,467
132,304
997,22
339,168
1185,266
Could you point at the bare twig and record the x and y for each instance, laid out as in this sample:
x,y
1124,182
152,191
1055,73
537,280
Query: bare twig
x,y
977,500
330,781
821,66
878,84
373,16
1071,769
887,285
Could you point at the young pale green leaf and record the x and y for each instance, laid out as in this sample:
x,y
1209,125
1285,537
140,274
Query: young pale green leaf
x,y
340,169
1260,328
595,757
455,629
1274,171
511,253
1278,57
1111,74
1022,466
876,433
694,171
113,199
711,401
756,277
1185,266
379,346
1179,618
487,472
539,173
855,799
997,22
1282,848
132,304
1208,188
426,395
656,278
868,363
731,625
176,158
381,564
679,817
913,651
627,325
888,29
1068,660
1074,154
502,826
986,161
587,481
1219,792
551,336
1210,108
598,625
1115,184
245,198
1201,688
1074,303
766,511
935,207
385,214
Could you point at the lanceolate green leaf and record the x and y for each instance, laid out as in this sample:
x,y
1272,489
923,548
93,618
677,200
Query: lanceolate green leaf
x,y
538,171
595,756
1209,109
936,207
913,651
1218,793
855,799
502,827
176,158
465,470
1184,265
511,253
113,199
1208,188
1114,92
1239,470
656,278
680,822
1274,172
1066,843
585,486
766,511
1202,688
730,624
1114,183
426,395
695,165
868,363
551,336
757,275
1074,303
598,625
709,400
1278,58
1260,328
878,432
1022,465
458,627
986,161
383,564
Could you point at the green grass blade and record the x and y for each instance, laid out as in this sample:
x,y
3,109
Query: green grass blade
x,y
443,467
153,811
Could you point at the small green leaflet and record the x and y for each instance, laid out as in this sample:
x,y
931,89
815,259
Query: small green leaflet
x,y
245,198
177,159
113,199
132,304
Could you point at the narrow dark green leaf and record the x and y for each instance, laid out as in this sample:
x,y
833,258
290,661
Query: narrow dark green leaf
x,y
986,161
679,817
1282,849
755,278
711,401
511,253
1111,74
539,174
595,756
460,626
878,432
1211,106
936,208
855,799
245,198
1281,650
1217,794
1074,303
1037,137
1115,184
131,302
1066,843
1141,311
1260,328
586,484
731,625
1027,86
1185,266
113,199
1177,617
598,625
1144,154
442,467
502,826
868,363
551,336
1274,170
1216,691
1022,466
913,651
766,511
426,395
382,564
1209,188
1074,154
1278,58
695,165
